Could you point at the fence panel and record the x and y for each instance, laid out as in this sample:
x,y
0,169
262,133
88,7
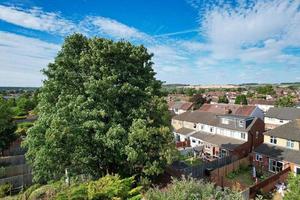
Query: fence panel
x,y
18,181
14,170
12,160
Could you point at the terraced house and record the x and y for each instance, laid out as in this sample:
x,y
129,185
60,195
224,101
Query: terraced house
x,y
281,148
219,135
279,116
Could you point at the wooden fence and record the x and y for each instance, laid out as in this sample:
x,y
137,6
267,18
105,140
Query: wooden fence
x,y
12,160
18,181
198,171
183,144
269,184
218,175
14,170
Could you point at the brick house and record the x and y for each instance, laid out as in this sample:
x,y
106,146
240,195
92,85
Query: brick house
x,y
281,149
220,135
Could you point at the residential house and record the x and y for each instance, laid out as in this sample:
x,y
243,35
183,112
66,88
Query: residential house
x,y
233,109
278,116
220,135
280,148
179,107
262,104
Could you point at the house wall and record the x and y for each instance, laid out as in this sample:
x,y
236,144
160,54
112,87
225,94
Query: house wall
x,y
177,124
258,113
264,108
281,142
264,164
272,123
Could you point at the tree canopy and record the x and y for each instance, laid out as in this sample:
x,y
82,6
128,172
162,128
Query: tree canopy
x,y
7,126
100,110
241,99
286,101
223,99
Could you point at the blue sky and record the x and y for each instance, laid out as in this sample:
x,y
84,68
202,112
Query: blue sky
x,y
193,41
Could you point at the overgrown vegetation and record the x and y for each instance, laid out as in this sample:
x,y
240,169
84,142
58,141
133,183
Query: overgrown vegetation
x,y
192,189
293,188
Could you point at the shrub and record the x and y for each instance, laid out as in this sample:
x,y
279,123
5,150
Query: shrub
x,y
109,187
5,189
191,189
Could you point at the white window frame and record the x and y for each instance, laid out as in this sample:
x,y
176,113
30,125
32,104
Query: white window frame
x,y
241,123
273,140
243,134
195,125
290,144
295,169
270,168
258,157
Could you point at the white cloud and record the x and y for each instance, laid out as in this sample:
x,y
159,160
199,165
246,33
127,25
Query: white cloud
x,y
238,33
37,19
113,28
22,58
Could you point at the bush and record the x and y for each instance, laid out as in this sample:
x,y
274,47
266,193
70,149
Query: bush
x,y
191,189
5,189
28,192
109,187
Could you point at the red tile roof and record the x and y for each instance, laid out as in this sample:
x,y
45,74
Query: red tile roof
x,y
242,110
261,102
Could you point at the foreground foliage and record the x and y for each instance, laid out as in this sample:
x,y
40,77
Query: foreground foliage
x,y
106,188
191,189
100,110
293,191
7,126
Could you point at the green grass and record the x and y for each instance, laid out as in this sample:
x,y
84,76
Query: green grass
x,y
190,160
242,175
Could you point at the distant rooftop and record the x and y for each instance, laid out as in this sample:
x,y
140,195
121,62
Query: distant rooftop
x,y
283,113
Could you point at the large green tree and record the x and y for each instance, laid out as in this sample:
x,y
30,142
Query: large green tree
x,y
7,126
100,110
285,101
241,99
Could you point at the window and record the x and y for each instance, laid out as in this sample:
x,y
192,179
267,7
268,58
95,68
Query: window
x,y
193,141
211,129
297,170
177,138
273,140
223,153
275,166
258,157
202,127
225,121
243,135
241,123
195,125
281,121
290,144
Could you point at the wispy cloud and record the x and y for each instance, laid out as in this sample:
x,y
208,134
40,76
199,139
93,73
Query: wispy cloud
x,y
37,19
112,28
22,58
